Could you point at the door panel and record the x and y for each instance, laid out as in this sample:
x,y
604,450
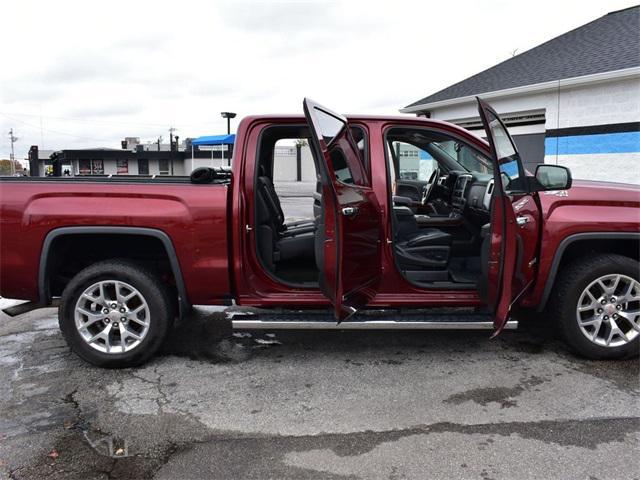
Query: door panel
x,y
515,223
348,245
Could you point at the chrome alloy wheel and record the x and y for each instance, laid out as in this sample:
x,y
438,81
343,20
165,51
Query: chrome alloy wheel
x,y
608,310
112,316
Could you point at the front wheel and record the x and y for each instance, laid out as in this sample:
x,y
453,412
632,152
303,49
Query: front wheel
x,y
115,314
598,302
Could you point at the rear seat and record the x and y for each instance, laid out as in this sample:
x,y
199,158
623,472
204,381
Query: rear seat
x,y
268,193
278,241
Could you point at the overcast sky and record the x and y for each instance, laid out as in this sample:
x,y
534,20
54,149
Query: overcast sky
x,y
79,74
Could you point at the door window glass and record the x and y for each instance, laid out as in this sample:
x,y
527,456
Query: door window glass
x,y
329,125
360,138
414,163
340,166
508,158
346,151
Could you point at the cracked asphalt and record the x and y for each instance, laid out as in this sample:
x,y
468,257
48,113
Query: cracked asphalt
x,y
307,405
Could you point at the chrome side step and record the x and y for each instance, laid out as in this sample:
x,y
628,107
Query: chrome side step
x,y
245,324
414,319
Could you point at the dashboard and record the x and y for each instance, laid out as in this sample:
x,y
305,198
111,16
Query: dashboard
x,y
468,191
458,194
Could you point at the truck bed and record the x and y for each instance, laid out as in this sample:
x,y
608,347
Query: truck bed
x,y
192,216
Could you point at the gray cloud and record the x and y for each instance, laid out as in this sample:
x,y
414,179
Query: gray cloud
x,y
27,90
97,110
85,66
141,42
273,18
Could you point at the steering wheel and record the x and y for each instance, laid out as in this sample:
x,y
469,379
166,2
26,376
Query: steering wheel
x,y
428,189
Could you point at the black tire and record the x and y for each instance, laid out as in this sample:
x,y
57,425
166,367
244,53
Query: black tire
x,y
155,293
570,284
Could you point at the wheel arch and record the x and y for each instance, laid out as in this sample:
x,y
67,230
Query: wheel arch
x,y
579,243
44,270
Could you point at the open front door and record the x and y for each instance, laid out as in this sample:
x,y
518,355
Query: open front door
x,y
348,231
515,220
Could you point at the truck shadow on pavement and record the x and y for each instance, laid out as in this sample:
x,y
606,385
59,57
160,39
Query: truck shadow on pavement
x,y
209,337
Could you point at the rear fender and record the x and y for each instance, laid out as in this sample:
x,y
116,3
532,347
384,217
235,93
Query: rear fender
x,y
43,284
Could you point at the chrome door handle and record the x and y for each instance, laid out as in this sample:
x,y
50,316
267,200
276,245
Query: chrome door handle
x,y
349,211
522,221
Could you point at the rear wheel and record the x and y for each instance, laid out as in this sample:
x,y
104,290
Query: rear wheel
x,y
598,301
115,314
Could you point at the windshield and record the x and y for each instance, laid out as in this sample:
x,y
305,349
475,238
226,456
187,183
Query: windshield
x,y
468,158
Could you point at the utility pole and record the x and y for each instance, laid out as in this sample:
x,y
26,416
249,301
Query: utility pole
x,y
12,159
228,116
171,130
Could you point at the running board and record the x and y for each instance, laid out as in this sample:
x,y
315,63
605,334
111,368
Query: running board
x,y
401,322
365,325
27,306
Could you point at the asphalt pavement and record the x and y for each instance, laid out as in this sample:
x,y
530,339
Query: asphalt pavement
x,y
316,405
311,405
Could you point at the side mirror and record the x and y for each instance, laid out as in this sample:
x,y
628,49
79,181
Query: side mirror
x,y
550,177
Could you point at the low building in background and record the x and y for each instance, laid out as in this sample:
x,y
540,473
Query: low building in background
x,y
573,101
294,163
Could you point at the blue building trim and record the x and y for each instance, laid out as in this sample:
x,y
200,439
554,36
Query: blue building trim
x,y
620,142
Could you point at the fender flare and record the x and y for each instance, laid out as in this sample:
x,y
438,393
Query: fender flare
x,y
576,237
43,290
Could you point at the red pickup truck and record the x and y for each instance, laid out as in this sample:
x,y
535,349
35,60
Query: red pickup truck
x,y
124,256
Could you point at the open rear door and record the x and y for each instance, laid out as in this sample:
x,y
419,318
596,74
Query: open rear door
x,y
515,218
348,231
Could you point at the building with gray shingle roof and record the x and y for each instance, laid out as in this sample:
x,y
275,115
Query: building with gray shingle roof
x,y
573,100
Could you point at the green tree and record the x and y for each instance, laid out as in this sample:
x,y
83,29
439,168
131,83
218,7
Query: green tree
x,y
5,167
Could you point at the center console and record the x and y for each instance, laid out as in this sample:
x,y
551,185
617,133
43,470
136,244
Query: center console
x,y
458,198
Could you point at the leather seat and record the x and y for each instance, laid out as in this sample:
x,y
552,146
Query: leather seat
x,y
428,236
422,247
268,194
278,241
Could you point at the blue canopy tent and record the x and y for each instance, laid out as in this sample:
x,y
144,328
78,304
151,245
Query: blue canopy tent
x,y
211,140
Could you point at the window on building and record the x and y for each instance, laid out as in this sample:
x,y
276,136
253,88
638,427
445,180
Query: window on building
x,y
122,166
97,167
163,166
84,167
143,166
